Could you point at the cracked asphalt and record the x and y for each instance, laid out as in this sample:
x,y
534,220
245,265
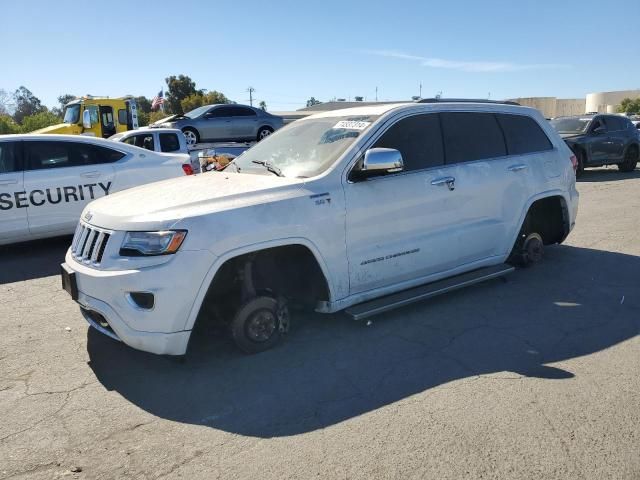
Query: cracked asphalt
x,y
534,377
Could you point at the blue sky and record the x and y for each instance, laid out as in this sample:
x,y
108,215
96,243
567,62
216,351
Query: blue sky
x,y
292,50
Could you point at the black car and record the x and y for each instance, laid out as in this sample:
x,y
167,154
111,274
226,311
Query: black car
x,y
600,140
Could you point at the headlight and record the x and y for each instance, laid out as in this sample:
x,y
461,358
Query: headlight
x,y
138,244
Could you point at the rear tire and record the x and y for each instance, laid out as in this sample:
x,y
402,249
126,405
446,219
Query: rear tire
x,y
263,133
259,323
528,251
630,160
191,135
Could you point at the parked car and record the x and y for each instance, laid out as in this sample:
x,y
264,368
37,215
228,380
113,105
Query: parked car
x,y
46,180
363,209
167,140
600,140
216,123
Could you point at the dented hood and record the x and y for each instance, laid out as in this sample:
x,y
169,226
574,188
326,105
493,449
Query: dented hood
x,y
161,205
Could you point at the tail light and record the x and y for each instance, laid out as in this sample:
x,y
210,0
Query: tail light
x,y
574,162
188,169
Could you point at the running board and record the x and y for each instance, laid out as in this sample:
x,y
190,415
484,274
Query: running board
x,y
416,294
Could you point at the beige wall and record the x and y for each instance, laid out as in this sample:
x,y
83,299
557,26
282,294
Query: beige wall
x,y
570,106
607,102
554,107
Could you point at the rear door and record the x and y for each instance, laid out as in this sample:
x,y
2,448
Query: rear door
x,y
598,141
61,177
244,124
617,137
13,198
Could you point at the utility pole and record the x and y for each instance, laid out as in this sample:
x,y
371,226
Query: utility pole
x,y
376,94
251,90
420,95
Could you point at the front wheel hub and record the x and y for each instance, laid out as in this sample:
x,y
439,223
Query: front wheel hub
x,y
533,248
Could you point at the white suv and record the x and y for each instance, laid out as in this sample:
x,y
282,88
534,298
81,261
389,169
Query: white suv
x,y
362,209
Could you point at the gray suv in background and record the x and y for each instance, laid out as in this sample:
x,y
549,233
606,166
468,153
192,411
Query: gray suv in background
x,y
223,122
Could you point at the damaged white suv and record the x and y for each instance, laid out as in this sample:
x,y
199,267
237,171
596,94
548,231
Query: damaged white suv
x,y
362,209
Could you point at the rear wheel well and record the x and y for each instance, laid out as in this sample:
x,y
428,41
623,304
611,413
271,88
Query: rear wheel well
x,y
291,272
549,218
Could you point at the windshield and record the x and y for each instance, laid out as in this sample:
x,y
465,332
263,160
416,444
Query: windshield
x,y
304,148
571,124
72,113
197,112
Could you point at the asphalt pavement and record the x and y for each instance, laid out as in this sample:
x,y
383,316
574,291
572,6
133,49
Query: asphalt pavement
x,y
534,377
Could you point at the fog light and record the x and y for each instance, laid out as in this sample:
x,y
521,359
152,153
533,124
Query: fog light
x,y
142,299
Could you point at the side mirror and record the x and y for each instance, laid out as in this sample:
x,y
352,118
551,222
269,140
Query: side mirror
x,y
86,119
382,160
599,131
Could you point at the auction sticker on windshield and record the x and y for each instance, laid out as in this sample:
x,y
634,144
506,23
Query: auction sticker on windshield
x,y
352,125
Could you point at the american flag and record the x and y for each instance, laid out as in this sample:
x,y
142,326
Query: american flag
x,y
157,101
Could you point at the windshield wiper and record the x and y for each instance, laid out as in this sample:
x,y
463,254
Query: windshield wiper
x,y
269,166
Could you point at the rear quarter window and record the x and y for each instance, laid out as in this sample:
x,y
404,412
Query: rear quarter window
x,y
169,142
470,136
523,134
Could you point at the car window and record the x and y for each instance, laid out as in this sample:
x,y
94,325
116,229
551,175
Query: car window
x,y
142,141
470,136
597,123
242,112
87,154
523,134
8,157
40,155
221,112
169,142
419,140
614,124
43,155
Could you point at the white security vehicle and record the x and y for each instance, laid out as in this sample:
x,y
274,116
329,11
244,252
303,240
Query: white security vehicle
x,y
46,180
362,209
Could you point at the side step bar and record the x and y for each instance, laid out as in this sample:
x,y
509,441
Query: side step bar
x,y
406,297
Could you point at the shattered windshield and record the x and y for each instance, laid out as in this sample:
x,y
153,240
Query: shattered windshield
x,y
304,148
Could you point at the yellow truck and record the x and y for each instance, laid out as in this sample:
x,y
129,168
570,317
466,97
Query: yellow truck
x,y
97,116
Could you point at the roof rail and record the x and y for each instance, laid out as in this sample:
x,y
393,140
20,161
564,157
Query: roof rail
x,y
465,100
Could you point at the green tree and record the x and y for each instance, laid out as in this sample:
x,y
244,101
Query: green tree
x,y
263,105
178,88
630,106
312,101
39,120
144,104
6,103
26,104
7,125
155,116
199,99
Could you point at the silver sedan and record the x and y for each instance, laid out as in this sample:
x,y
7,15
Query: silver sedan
x,y
223,122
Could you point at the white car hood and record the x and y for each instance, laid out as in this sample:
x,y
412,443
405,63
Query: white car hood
x,y
162,204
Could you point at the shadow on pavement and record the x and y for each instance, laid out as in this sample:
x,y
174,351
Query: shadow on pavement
x,y
607,174
29,260
331,369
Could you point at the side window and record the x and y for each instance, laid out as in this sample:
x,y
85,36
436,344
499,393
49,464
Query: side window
x,y
41,155
107,116
93,113
614,124
221,112
8,157
523,134
142,141
122,116
470,136
169,142
86,154
419,140
243,112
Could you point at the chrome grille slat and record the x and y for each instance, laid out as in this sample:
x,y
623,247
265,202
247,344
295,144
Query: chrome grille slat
x,y
89,244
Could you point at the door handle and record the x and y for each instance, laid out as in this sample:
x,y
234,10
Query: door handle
x,y
94,174
11,181
450,182
518,167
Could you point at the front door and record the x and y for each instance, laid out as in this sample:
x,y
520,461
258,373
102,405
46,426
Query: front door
x,y
216,124
598,142
13,201
61,178
397,225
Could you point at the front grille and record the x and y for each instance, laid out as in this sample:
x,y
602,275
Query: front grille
x,y
89,244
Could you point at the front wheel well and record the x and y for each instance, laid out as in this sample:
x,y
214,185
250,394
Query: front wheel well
x,y
291,272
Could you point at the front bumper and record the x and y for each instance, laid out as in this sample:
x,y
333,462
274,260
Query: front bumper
x,y
104,298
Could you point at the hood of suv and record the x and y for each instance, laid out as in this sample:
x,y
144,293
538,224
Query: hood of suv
x,y
160,205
